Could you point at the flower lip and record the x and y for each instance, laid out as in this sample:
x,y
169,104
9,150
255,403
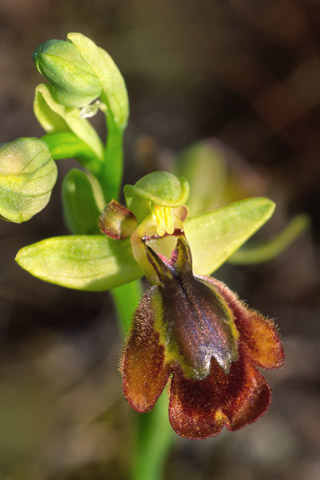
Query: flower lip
x,y
195,323
197,331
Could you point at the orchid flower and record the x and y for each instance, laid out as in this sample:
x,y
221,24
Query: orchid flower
x,y
189,331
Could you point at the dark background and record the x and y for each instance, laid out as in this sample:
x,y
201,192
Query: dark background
x,y
245,72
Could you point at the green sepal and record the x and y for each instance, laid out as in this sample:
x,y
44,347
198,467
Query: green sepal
x,y
83,262
27,176
80,208
98,263
54,117
75,82
113,86
215,236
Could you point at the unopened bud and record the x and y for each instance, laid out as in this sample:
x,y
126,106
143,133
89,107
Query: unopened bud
x,y
74,82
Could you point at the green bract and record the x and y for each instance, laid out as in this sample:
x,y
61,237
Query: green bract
x,y
27,176
75,82
78,72
158,188
99,263
114,92
82,202
54,117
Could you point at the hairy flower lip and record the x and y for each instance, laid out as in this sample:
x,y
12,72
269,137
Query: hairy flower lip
x,y
200,409
265,333
164,344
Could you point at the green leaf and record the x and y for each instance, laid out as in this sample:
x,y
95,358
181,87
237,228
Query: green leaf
x,y
112,82
269,249
83,262
98,263
27,176
80,208
216,235
54,117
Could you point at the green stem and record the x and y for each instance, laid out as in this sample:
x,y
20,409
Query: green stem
x,y
270,249
111,172
126,299
152,430
153,434
153,442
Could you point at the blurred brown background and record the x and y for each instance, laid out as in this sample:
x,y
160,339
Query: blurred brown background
x,y
245,72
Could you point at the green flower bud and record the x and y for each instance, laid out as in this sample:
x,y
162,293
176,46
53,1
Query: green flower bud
x,y
74,82
27,176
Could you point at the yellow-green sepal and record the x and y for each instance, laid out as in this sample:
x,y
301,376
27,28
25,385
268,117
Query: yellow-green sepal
x,y
216,235
98,263
81,262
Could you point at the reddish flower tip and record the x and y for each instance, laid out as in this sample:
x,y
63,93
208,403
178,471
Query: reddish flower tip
x,y
116,221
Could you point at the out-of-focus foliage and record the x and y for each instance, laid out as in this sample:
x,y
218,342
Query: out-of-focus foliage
x,y
246,73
